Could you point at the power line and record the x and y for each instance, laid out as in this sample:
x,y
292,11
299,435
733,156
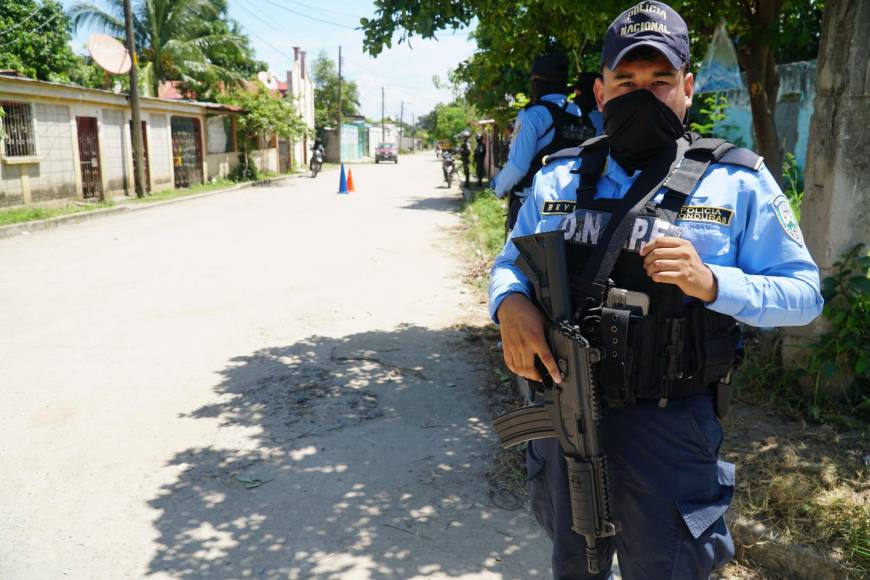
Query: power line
x,y
29,16
250,10
326,10
415,88
269,44
302,14
37,29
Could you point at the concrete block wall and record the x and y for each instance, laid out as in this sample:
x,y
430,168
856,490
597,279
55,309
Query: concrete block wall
x,y
160,148
10,185
54,176
265,159
220,165
113,150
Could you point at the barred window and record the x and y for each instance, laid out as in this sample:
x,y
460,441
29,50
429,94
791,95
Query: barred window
x,y
18,126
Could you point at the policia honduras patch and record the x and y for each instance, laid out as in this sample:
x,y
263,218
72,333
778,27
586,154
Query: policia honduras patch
x,y
558,207
703,213
789,223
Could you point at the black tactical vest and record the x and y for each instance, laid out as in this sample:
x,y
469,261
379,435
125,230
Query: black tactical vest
x,y
570,131
678,347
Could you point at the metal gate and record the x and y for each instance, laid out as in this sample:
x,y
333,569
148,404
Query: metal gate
x,y
89,157
146,165
186,151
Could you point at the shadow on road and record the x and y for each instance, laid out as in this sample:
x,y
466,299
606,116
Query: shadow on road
x,y
362,457
451,204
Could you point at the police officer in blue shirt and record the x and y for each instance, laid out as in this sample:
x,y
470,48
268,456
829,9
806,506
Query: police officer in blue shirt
x,y
713,243
547,124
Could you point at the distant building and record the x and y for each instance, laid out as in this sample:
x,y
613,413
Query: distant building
x,y
794,109
65,142
300,89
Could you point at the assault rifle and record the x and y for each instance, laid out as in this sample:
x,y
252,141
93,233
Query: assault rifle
x,y
569,411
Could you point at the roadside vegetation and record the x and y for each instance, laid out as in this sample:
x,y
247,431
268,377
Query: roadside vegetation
x,y
484,215
28,214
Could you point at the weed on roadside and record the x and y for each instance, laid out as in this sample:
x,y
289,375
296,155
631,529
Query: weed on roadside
x,y
484,216
173,193
28,214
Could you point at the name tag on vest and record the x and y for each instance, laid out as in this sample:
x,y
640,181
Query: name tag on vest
x,y
558,207
703,213
585,226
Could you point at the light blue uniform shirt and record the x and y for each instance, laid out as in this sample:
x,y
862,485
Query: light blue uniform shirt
x,y
530,136
765,274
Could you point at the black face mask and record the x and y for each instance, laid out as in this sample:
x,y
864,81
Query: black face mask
x,y
541,87
638,126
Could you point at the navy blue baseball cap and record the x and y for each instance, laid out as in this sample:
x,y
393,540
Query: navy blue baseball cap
x,y
653,24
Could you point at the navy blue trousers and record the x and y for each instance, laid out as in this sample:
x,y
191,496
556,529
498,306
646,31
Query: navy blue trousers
x,y
669,491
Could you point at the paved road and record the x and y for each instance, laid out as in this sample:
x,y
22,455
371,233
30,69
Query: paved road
x,y
266,383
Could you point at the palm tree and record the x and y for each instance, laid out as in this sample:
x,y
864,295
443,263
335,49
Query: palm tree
x,y
173,38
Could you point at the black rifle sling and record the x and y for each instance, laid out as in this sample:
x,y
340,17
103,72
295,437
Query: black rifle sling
x,y
682,181
600,264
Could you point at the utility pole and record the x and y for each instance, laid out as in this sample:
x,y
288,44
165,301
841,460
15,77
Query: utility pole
x,y
383,134
413,132
338,130
401,126
139,170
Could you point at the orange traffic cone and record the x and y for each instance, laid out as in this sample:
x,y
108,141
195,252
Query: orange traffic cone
x,y
350,180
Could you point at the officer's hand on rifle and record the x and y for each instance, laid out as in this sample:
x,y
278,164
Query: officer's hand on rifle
x,y
675,261
522,337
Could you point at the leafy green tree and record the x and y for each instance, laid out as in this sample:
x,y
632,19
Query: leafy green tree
x,y
176,39
510,33
264,115
325,76
229,60
445,121
34,39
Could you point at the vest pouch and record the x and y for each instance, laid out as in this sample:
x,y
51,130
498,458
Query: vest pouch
x,y
709,345
614,368
721,340
627,346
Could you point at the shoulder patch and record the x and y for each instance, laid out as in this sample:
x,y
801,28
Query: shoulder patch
x,y
742,157
559,207
704,213
782,209
517,126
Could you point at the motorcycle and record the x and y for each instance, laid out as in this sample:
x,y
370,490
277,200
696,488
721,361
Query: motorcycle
x,y
316,163
448,167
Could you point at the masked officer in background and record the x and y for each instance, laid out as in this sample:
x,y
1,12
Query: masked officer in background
x,y
479,159
465,155
584,97
739,256
546,125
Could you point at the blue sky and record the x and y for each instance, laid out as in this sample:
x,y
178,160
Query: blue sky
x,y
276,26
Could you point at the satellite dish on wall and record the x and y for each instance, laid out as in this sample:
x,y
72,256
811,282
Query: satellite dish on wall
x,y
268,80
109,54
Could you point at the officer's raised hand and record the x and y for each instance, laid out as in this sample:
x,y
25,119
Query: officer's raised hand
x,y
522,337
675,261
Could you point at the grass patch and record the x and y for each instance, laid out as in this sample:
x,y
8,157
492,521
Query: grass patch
x,y
484,218
806,475
485,215
173,193
29,214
